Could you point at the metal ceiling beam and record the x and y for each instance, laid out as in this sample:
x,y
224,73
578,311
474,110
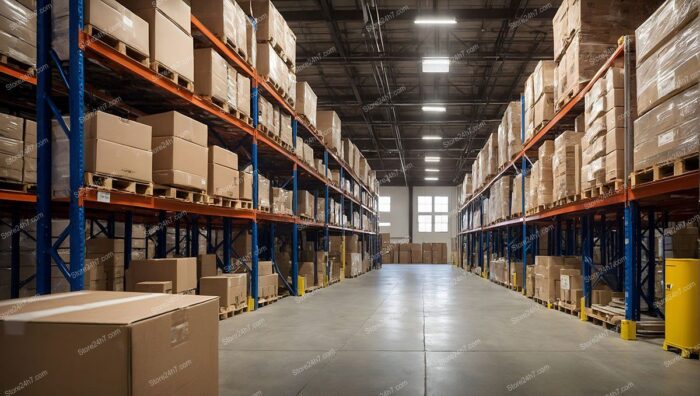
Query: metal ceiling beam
x,y
349,121
398,57
347,101
462,15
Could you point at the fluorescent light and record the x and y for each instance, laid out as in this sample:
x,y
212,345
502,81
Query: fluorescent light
x,y
432,137
434,109
431,178
435,21
385,224
436,65
432,170
432,159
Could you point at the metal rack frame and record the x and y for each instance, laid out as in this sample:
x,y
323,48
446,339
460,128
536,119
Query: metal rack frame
x,y
155,209
614,222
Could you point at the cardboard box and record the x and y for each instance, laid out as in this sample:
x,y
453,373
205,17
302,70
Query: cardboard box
x,y
145,336
176,10
223,157
111,159
615,166
353,264
169,45
243,94
206,265
427,249
329,125
154,287
601,297
265,268
180,163
267,286
306,102
225,19
182,272
223,182
104,126
11,127
104,245
230,288
570,280
416,253
246,185
211,76
174,124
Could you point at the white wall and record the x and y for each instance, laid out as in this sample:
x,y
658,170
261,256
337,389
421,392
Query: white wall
x,y
444,237
398,217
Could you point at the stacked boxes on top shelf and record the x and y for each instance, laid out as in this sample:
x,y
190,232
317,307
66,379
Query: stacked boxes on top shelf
x,y
18,34
585,35
223,177
667,133
539,108
566,166
226,20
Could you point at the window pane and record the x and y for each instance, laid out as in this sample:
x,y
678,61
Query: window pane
x,y
385,204
425,204
441,223
442,204
425,223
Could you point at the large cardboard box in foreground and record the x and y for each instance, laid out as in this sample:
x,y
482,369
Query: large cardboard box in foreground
x,y
110,343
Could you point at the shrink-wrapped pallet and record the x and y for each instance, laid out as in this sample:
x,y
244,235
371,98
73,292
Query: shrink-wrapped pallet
x,y
517,194
544,185
564,164
669,131
306,101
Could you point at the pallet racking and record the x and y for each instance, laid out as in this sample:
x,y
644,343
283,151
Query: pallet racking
x,y
623,223
128,86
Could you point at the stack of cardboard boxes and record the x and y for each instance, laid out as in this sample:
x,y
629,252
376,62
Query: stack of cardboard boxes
x,y
227,21
114,147
104,264
540,89
18,31
305,105
268,281
180,151
668,96
353,256
329,127
585,36
547,269
232,290
12,133
602,145
223,180
566,165
181,272
516,207
281,201
466,191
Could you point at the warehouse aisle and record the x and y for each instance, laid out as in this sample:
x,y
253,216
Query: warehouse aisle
x,y
434,330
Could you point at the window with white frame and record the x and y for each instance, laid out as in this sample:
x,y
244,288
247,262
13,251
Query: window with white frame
x,y
385,204
442,204
441,223
425,223
425,204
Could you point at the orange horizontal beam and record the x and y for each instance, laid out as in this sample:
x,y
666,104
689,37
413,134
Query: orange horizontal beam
x,y
17,196
18,74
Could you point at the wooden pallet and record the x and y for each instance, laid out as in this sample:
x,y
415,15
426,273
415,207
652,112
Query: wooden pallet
x,y
333,281
566,98
242,52
611,187
28,69
190,292
548,304
268,300
565,200
609,317
518,289
308,124
12,185
97,34
684,353
107,182
664,170
279,49
169,74
231,310
590,193
180,194
265,209
229,202
570,308
312,289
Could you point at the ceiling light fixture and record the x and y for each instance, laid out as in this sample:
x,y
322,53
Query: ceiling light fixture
x,y
432,170
432,159
431,178
435,21
432,137
434,109
436,65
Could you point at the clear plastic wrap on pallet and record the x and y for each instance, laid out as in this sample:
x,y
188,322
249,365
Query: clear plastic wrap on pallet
x,y
531,201
671,68
243,94
564,164
517,194
18,32
594,100
502,145
475,174
290,44
292,86
543,79
502,203
595,148
306,102
232,87
466,190
211,75
109,16
546,175
671,16
669,131
264,112
263,191
492,155
512,120
529,93
276,121
594,173
241,29
251,41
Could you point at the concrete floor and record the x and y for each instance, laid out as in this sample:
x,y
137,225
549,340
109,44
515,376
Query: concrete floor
x,y
435,330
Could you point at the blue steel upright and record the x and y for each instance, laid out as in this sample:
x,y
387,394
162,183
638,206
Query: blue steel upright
x,y
523,173
295,210
254,223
